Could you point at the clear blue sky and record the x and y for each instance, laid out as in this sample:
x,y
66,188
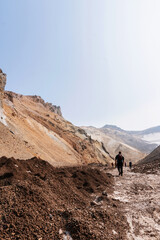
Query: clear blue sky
x,y
98,59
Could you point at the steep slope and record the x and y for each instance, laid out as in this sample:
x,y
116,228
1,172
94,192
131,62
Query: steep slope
x,y
2,87
35,128
114,145
150,164
153,156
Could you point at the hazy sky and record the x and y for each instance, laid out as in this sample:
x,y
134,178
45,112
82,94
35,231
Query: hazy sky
x,y
98,59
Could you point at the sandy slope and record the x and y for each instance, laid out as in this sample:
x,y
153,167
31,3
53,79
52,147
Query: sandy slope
x,y
139,195
32,129
153,156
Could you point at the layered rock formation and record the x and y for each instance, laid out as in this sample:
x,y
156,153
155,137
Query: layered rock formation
x,y
49,106
2,87
35,128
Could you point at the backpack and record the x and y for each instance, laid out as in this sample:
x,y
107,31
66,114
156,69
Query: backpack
x,y
119,159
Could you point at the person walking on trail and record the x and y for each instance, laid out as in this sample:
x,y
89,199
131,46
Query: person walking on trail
x,y
130,165
119,160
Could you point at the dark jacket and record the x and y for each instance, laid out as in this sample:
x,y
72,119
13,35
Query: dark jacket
x,y
119,159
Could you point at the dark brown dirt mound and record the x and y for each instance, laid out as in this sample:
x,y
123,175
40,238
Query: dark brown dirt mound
x,y
152,167
38,201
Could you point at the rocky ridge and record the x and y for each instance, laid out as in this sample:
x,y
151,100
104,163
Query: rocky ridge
x,y
34,130
31,127
2,86
49,106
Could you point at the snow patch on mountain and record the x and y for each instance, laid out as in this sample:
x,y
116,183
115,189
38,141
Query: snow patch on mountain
x,y
2,117
152,138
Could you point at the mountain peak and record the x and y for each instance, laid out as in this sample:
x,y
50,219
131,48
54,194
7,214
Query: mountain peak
x,y
114,127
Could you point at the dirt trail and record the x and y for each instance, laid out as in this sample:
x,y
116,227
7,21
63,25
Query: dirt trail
x,y
140,197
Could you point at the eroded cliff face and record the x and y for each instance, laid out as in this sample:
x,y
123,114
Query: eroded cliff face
x,y
31,127
34,129
49,106
2,86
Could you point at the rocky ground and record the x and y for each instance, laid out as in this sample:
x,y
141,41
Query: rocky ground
x,y
38,201
152,167
139,193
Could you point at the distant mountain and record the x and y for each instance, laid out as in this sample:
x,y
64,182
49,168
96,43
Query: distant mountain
x,y
134,144
150,135
114,127
145,141
113,144
146,131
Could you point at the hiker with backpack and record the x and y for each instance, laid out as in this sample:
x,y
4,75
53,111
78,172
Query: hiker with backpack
x,y
119,159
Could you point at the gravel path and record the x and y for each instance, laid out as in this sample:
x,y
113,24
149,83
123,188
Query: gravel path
x,y
140,198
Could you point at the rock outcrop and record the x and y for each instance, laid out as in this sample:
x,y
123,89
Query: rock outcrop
x,y
49,106
2,86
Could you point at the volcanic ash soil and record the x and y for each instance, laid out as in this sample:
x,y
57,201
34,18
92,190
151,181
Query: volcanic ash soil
x,y
38,201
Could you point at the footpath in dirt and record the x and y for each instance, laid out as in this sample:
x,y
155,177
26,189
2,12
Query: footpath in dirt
x,y
139,194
